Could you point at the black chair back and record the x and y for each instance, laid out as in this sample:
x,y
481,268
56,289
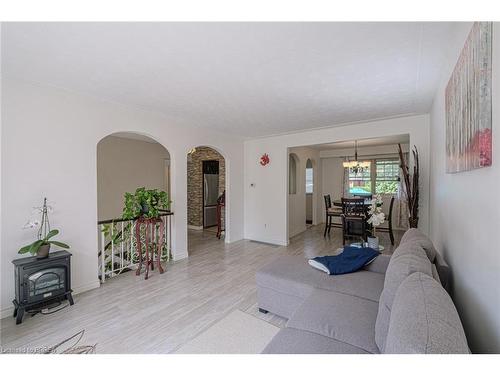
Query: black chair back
x,y
353,206
328,201
391,206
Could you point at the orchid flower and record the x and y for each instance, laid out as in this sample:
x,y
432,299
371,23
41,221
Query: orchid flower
x,y
377,217
33,223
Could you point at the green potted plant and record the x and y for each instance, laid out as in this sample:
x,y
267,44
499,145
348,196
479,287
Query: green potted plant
x,y
146,203
41,246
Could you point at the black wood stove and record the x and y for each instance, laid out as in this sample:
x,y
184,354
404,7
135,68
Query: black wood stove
x,y
41,281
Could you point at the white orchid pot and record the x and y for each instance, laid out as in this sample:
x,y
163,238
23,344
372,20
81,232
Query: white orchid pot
x,y
373,242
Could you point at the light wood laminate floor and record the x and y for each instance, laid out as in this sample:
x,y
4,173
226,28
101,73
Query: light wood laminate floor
x,y
128,314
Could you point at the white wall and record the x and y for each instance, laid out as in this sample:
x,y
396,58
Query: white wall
x,y
465,216
123,165
49,140
333,175
297,202
266,187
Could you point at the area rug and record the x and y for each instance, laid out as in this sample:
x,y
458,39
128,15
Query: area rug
x,y
237,333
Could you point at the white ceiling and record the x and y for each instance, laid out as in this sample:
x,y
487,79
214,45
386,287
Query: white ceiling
x,y
248,79
368,142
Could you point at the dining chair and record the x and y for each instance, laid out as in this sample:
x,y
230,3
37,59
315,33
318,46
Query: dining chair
x,y
388,220
331,212
353,219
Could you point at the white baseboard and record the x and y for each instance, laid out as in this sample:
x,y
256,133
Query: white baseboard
x,y
85,287
4,313
301,230
270,241
194,227
8,311
180,255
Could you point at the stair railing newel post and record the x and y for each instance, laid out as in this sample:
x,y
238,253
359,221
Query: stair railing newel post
x,y
411,185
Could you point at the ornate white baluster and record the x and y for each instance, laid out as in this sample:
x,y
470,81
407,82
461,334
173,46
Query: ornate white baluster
x,y
103,247
122,244
131,242
112,249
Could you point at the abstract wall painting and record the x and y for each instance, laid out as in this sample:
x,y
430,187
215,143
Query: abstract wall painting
x,y
468,104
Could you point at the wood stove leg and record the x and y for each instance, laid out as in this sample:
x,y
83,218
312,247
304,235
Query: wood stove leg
x,y
20,313
70,299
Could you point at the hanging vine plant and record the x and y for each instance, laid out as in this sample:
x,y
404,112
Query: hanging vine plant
x,y
146,203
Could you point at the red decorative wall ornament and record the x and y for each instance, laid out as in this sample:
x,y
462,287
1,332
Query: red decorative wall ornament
x,y
264,160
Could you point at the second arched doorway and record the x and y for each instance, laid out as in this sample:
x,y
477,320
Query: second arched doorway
x,y
206,185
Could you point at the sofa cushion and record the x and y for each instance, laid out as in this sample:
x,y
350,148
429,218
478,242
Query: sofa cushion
x,y
342,317
401,265
295,341
292,275
435,273
424,319
416,236
379,264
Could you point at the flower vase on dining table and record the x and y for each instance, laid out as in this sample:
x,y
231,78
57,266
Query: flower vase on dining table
x,y
373,242
376,217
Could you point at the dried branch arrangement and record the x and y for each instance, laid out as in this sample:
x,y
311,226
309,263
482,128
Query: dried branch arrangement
x,y
72,349
411,188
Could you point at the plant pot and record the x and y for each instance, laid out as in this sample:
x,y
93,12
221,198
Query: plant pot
x,y
43,251
144,208
413,222
373,242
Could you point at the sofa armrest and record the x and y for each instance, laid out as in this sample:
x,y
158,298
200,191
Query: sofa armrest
x,y
379,265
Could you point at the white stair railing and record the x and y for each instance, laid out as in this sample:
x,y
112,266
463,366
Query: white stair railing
x,y
118,248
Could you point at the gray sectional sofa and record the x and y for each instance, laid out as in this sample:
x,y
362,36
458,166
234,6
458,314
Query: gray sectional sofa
x,y
397,304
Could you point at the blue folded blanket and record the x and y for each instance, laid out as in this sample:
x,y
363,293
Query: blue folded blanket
x,y
350,260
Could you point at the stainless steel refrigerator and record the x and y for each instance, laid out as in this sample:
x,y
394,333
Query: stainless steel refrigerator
x,y
210,192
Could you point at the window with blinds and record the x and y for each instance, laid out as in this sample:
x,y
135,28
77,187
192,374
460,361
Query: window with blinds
x,y
381,178
387,176
360,183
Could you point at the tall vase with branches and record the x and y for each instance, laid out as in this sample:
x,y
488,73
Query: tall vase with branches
x,y
411,185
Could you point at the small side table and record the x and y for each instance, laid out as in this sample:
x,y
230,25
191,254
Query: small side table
x,y
221,203
220,227
150,224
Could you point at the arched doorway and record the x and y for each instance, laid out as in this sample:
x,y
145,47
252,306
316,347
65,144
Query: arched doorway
x,y
206,186
127,161
293,163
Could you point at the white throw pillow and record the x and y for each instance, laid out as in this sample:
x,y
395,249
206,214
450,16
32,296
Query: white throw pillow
x,y
318,266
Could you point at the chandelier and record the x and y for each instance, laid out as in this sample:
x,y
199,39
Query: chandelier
x,y
355,166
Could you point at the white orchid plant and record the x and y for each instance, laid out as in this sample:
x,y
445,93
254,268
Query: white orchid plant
x,y
45,234
377,217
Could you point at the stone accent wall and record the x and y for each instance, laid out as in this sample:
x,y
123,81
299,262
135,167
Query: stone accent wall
x,y
195,182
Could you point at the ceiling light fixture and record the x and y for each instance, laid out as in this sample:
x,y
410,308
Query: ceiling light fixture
x,y
355,166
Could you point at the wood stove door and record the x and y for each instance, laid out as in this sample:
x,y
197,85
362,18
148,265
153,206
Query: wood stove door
x,y
45,284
